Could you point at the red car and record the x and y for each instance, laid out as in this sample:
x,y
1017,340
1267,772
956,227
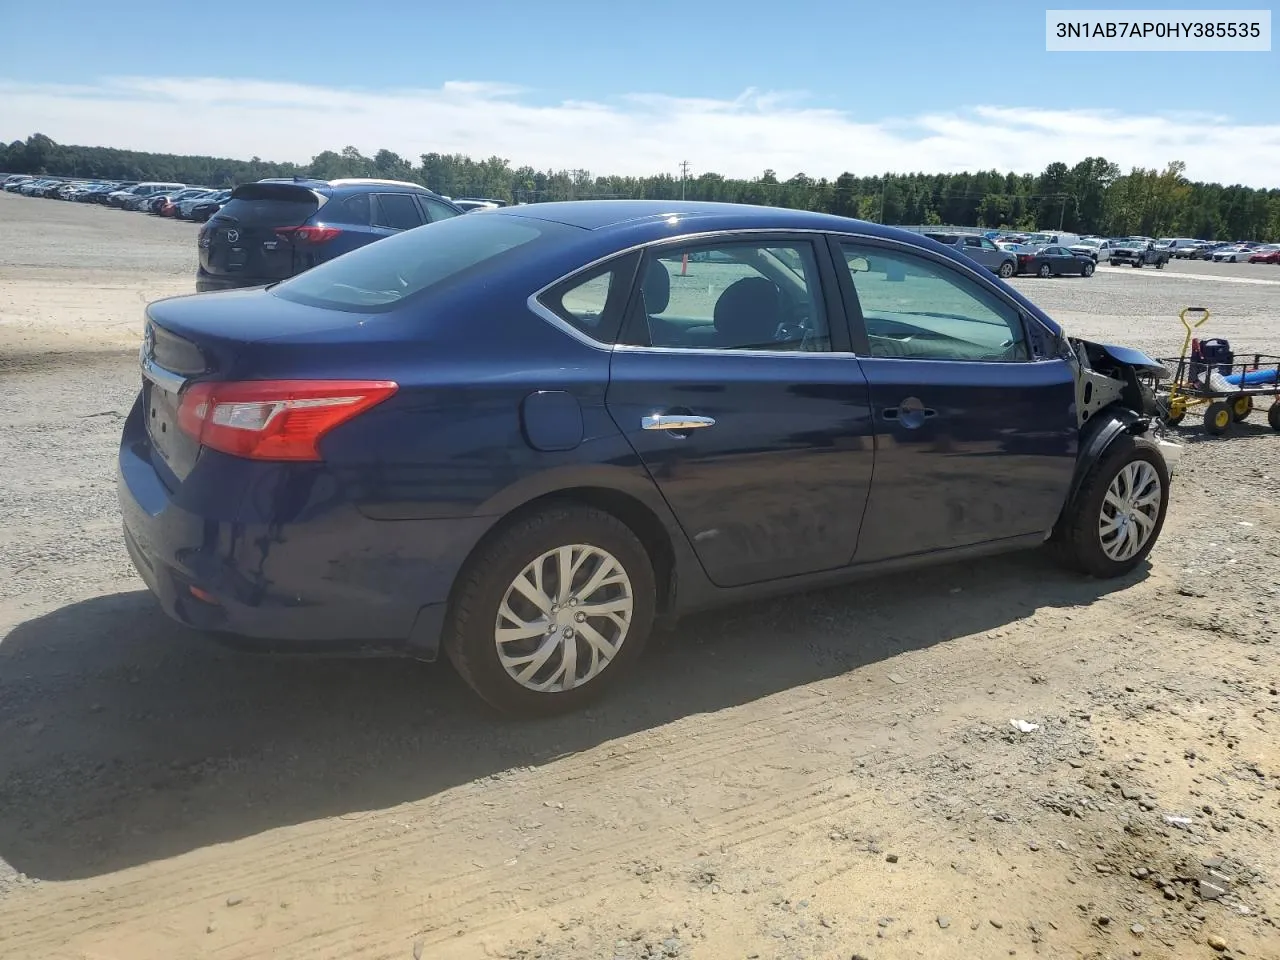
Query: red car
x,y
1266,255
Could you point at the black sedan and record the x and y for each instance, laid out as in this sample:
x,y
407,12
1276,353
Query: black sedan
x,y
1056,262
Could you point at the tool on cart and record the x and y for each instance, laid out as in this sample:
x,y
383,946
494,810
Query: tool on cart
x,y
1208,373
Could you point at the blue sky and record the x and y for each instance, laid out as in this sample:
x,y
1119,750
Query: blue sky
x,y
737,87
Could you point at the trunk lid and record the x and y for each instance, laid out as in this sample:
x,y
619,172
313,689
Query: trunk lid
x,y
240,240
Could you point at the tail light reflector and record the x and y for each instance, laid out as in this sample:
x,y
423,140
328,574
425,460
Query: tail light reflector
x,y
274,419
309,234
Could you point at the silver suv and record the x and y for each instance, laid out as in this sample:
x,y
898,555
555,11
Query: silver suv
x,y
980,250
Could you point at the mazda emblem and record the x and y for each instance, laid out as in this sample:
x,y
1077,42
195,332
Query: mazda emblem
x,y
233,236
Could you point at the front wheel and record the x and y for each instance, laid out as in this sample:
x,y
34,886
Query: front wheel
x,y
553,610
1006,270
1273,415
1241,408
1044,271
1087,270
1137,264
1118,512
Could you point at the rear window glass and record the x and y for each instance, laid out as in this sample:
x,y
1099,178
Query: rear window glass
x,y
270,204
380,275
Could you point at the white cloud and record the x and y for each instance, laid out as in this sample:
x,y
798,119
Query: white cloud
x,y
636,134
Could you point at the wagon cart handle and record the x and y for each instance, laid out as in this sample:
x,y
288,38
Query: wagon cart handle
x,y
1201,312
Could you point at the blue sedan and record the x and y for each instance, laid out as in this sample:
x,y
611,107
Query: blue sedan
x,y
523,437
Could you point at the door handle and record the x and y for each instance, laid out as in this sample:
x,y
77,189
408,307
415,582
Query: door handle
x,y
911,413
678,422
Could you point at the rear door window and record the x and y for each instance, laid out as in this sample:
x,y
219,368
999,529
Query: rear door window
x,y
354,210
396,211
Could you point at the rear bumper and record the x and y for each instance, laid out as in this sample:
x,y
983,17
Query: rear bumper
x,y
208,283
271,557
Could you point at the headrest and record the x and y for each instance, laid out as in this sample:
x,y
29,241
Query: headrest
x,y
656,288
749,311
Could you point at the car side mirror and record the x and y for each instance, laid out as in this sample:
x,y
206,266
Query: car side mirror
x,y
859,265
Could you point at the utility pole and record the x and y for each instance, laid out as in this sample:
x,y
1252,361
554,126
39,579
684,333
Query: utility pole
x,y
684,176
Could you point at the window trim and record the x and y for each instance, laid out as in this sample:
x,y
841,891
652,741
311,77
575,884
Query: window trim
x,y
847,319
857,321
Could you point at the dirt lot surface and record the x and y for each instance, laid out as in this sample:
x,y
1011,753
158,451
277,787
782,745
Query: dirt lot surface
x,y
833,775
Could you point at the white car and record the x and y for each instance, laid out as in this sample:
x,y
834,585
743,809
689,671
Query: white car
x,y
1236,254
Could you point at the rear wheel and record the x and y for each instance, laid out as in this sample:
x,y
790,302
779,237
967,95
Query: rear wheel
x,y
1116,516
551,612
1241,408
1273,415
1006,270
1114,263
1044,270
1217,418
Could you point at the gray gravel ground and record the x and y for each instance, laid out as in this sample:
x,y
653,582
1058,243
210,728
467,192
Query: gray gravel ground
x,y
829,775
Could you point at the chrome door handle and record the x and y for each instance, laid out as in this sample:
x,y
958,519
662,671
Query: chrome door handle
x,y
675,421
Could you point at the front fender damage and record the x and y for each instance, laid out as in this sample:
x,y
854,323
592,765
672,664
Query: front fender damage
x,y
1114,395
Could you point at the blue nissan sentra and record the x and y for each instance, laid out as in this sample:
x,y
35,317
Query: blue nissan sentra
x,y
523,436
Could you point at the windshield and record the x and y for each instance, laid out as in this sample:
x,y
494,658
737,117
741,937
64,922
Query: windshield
x,y
380,275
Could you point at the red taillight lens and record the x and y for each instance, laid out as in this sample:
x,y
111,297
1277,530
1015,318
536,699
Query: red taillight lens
x,y
275,419
309,234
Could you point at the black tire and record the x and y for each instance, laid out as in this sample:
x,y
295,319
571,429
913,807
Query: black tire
x,y
1076,542
1273,415
1114,263
1006,270
1160,264
1044,270
469,638
1241,407
1086,270
1137,264
1217,418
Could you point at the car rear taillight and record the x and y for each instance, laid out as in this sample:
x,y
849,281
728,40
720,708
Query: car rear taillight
x,y
274,419
309,234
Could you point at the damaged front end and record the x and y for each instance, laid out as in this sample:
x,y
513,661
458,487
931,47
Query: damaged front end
x,y
1115,384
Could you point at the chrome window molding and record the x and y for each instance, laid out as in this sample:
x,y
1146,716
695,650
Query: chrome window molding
x,y
536,306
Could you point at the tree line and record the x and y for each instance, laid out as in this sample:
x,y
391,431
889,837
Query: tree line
x,y
1093,196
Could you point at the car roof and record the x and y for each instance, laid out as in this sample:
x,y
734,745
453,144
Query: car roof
x,y
605,215
315,182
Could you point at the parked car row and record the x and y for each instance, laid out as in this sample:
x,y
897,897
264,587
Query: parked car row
x,y
178,200
1007,260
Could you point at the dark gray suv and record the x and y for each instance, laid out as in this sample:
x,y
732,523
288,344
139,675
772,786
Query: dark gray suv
x,y
273,229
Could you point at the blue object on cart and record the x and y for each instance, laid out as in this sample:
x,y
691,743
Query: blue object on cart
x,y
1253,378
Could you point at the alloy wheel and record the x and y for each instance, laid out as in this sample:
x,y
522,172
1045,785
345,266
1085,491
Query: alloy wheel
x,y
564,618
1130,510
